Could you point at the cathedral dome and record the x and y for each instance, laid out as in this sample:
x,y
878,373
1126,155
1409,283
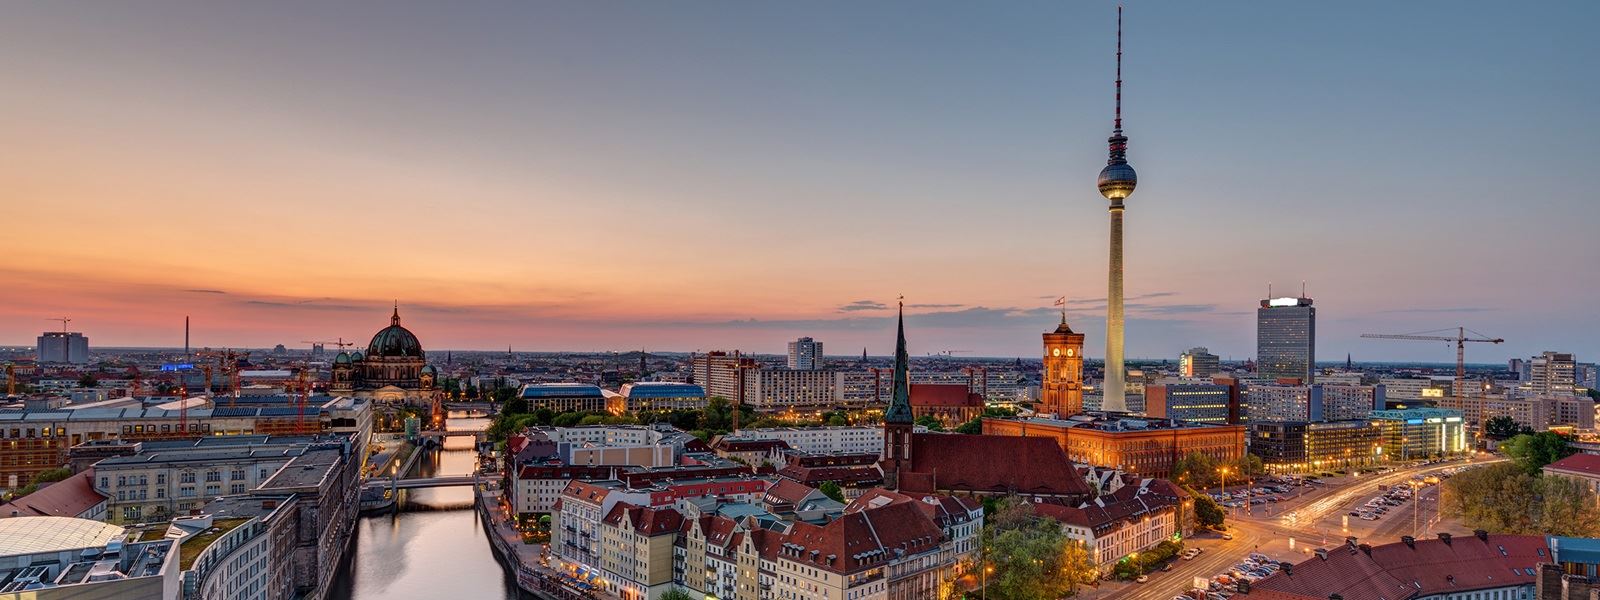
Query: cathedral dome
x,y
394,341
342,359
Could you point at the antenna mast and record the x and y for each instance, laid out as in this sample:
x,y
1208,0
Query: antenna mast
x,y
1118,124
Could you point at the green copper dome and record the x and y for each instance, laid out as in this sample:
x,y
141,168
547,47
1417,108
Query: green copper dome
x,y
394,341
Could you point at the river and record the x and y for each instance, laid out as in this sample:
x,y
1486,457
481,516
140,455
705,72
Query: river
x,y
435,547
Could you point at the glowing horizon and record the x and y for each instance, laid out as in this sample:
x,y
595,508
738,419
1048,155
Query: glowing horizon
x,y
589,177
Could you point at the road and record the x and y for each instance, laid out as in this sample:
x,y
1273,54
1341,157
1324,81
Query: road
x,y
1318,523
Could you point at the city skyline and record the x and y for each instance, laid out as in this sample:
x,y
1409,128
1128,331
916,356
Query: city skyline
x,y
266,189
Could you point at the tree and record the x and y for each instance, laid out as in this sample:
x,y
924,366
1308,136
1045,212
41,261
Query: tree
x,y
831,490
1503,427
973,427
931,422
837,420
1206,511
88,381
1032,557
676,593
1594,394
1197,470
1250,465
1504,498
1533,451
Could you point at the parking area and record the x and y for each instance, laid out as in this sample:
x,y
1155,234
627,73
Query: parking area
x,y
1224,585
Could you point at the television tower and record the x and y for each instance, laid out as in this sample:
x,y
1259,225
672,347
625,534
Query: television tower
x,y
1116,183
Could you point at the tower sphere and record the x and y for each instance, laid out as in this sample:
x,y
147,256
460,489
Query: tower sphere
x,y
1117,181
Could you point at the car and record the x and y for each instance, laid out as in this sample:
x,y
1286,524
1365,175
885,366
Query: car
x,y
1166,567
1355,513
1227,536
1142,579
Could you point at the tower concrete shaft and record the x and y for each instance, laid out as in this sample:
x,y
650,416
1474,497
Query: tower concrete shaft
x,y
1114,393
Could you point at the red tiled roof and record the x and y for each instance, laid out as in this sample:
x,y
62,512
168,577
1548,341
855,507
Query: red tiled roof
x,y
69,497
860,540
944,394
1582,464
994,463
645,520
789,491
844,475
1399,570
727,445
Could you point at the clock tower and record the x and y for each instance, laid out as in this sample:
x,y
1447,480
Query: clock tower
x,y
1062,392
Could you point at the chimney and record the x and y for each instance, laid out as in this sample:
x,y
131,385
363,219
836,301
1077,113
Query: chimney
x,y
1367,548
1409,541
1444,537
1322,553
269,504
1482,534
1350,541
1288,569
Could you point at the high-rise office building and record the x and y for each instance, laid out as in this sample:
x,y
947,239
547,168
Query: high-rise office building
x,y
1199,363
805,353
1552,373
63,347
1286,339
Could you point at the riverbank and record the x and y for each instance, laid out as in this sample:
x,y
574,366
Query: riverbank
x,y
521,560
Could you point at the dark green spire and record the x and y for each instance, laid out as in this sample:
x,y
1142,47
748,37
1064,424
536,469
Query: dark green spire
x,y
900,406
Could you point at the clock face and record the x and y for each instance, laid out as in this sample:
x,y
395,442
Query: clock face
x,y
1069,352
1056,352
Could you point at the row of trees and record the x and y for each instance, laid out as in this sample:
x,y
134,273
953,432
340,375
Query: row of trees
x,y
1507,498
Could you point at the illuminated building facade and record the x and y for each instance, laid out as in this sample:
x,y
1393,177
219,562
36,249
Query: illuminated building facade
x,y
1061,391
1297,447
1286,339
1143,446
393,369
1417,433
1198,363
1216,401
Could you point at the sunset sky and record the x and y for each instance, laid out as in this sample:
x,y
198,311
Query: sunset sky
x,y
703,175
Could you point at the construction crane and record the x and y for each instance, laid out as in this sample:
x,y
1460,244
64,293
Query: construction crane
x,y
11,379
228,360
949,353
63,320
1460,339
303,391
340,343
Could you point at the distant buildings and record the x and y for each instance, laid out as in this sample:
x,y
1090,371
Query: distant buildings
x,y
1286,339
951,403
656,396
1552,373
566,397
1284,401
1198,363
63,347
805,354
1217,401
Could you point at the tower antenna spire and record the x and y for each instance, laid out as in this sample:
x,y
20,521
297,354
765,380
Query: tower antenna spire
x,y
1118,124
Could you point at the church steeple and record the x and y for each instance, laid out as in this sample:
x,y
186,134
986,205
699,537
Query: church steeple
x,y
395,320
900,404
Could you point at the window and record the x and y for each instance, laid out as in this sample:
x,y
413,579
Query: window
x,y
161,478
186,478
213,476
237,475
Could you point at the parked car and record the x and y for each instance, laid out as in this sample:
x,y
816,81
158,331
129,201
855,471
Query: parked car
x,y
1142,579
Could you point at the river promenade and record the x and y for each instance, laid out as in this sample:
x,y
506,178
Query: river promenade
x,y
521,560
